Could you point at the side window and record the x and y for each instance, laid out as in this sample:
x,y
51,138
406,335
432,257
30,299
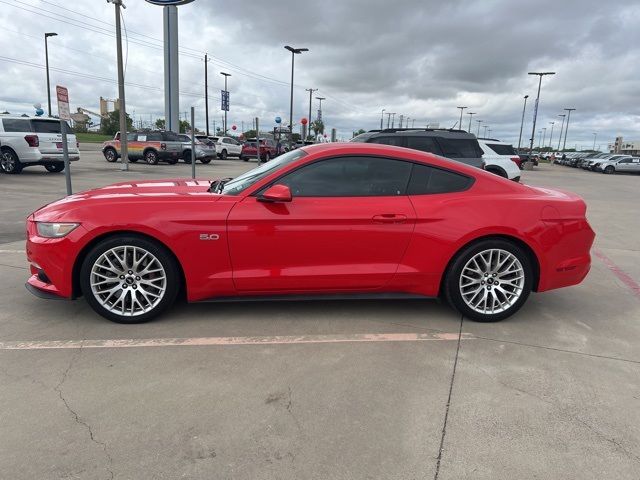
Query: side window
x,y
16,125
350,177
131,137
397,140
428,180
154,137
460,148
424,144
166,136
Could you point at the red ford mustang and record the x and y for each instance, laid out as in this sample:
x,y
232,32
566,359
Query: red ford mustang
x,y
334,220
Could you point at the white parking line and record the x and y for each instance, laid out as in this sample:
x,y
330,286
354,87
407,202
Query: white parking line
x,y
226,341
12,251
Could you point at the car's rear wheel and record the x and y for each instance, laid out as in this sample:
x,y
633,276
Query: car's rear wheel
x,y
133,160
609,170
186,156
54,167
267,157
9,162
129,279
223,154
172,161
489,281
110,155
205,160
151,157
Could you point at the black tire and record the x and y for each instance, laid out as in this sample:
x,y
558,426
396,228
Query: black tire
x,y
609,170
186,156
223,154
206,160
498,171
110,155
151,157
452,288
54,167
172,161
243,158
134,159
9,162
171,270
267,157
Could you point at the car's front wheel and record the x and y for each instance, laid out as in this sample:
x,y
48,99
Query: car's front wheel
x,y
151,157
609,170
129,279
489,281
9,162
110,155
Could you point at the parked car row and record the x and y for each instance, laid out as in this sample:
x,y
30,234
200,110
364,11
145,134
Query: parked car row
x,y
31,141
490,154
608,163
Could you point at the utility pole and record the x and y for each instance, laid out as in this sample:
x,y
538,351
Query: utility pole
x,y
535,112
206,93
46,56
566,130
522,121
461,110
123,111
310,90
471,114
561,128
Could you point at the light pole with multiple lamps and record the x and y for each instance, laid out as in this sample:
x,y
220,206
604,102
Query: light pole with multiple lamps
x,y
311,90
46,55
566,130
561,129
522,121
535,111
225,75
471,114
461,110
294,52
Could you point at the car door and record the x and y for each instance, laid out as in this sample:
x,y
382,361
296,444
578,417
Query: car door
x,y
624,165
346,228
235,147
635,165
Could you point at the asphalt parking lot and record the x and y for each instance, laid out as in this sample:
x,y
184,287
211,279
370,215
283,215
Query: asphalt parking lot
x,y
324,390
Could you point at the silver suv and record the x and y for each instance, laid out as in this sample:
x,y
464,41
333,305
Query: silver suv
x,y
29,141
624,163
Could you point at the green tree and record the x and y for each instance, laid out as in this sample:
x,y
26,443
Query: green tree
x,y
317,126
359,132
185,126
161,123
250,134
111,124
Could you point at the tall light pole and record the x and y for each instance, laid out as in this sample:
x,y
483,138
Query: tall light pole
x,y
225,75
551,135
566,130
544,136
471,114
46,56
479,122
320,107
561,128
535,111
522,121
381,117
123,111
311,90
595,135
294,52
484,133
206,92
461,110
388,119
393,119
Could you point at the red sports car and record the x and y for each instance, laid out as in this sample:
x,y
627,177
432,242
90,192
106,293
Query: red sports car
x,y
325,221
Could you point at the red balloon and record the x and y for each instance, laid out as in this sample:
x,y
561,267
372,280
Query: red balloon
x,y
304,121
233,127
325,135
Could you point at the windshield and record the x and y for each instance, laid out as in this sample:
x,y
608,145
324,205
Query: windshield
x,y
244,181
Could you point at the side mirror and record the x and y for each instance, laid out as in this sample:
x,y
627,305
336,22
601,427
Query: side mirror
x,y
276,193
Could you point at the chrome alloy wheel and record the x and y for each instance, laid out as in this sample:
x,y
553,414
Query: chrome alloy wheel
x,y
128,280
492,281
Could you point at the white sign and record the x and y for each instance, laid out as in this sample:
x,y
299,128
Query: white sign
x,y
63,102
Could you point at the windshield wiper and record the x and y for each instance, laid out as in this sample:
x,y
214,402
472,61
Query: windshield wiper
x,y
217,185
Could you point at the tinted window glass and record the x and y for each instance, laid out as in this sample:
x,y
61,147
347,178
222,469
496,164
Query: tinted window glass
x,y
424,144
16,125
501,149
350,177
47,126
389,140
131,137
460,148
153,137
168,136
426,179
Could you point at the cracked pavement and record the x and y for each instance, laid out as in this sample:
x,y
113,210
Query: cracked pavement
x,y
553,392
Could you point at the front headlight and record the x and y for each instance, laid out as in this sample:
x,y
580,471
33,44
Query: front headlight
x,y
55,230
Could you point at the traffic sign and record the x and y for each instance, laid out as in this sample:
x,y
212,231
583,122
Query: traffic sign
x,y
63,103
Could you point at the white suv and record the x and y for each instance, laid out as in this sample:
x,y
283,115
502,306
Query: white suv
x,y
500,158
227,147
29,141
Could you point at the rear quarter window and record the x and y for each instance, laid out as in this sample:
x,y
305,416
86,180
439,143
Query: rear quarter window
x,y
460,147
47,126
502,149
16,125
430,180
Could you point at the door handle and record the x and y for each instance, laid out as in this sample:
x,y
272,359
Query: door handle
x,y
389,218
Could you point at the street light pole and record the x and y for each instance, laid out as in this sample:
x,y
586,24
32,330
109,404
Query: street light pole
x,y
566,130
381,118
484,134
393,119
522,121
471,114
595,135
294,52
479,122
461,110
226,75
535,111
123,110
544,136
388,119
311,90
561,128
46,55
551,136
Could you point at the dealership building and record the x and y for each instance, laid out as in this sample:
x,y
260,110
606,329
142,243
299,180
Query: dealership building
x,y
627,147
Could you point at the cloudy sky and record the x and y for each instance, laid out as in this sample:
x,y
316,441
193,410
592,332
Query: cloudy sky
x,y
419,58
